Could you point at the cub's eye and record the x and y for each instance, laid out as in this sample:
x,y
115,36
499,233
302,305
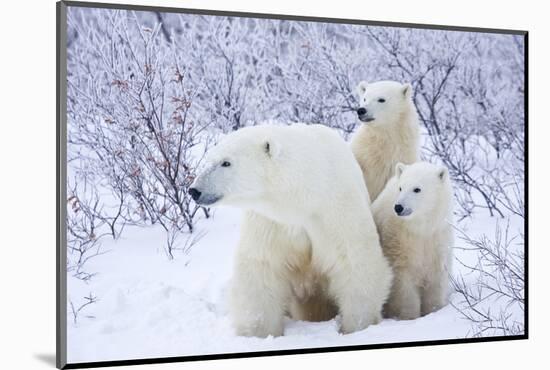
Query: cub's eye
x,y
400,189
381,100
417,190
226,164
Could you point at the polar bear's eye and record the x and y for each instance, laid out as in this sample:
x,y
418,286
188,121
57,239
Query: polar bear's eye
x,y
417,190
226,164
381,100
399,188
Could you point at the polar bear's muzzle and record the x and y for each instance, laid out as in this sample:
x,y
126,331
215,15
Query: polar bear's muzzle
x,y
364,115
203,199
402,211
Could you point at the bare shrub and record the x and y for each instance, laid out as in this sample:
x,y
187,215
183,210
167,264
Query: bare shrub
x,y
131,124
77,310
492,292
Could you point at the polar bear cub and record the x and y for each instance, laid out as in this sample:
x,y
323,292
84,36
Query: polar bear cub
x,y
308,229
413,215
389,132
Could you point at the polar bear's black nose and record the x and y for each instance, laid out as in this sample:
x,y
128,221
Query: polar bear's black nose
x,y
361,112
195,194
398,208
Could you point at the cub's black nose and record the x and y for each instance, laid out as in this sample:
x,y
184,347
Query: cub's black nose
x,y
361,112
398,209
195,194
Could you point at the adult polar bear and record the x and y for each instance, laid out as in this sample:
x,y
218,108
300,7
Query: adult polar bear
x,y
308,229
389,133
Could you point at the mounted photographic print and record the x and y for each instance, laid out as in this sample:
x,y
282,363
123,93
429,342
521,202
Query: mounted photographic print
x,y
236,184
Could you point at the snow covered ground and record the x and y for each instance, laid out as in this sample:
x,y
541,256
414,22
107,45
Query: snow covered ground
x,y
149,306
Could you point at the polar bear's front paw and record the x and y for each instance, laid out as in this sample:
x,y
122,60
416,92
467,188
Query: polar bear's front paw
x,y
402,311
352,323
259,325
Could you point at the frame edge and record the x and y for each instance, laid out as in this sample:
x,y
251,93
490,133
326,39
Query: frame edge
x,y
61,189
290,17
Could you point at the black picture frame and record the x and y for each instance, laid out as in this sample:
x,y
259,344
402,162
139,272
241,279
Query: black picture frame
x,y
61,190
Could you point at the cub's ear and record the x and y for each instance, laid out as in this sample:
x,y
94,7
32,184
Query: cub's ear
x,y
361,88
399,168
443,173
407,90
271,148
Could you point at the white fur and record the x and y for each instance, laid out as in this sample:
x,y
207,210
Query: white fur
x,y
308,238
390,136
418,246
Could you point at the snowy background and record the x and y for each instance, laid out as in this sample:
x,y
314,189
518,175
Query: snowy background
x,y
150,93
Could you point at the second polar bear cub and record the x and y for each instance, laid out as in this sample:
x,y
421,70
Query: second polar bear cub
x,y
308,235
389,132
412,215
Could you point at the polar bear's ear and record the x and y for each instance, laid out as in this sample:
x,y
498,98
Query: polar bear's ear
x,y
407,90
443,172
399,168
361,88
271,148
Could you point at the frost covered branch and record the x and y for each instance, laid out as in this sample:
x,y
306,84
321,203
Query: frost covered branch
x,y
132,124
492,291
90,299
